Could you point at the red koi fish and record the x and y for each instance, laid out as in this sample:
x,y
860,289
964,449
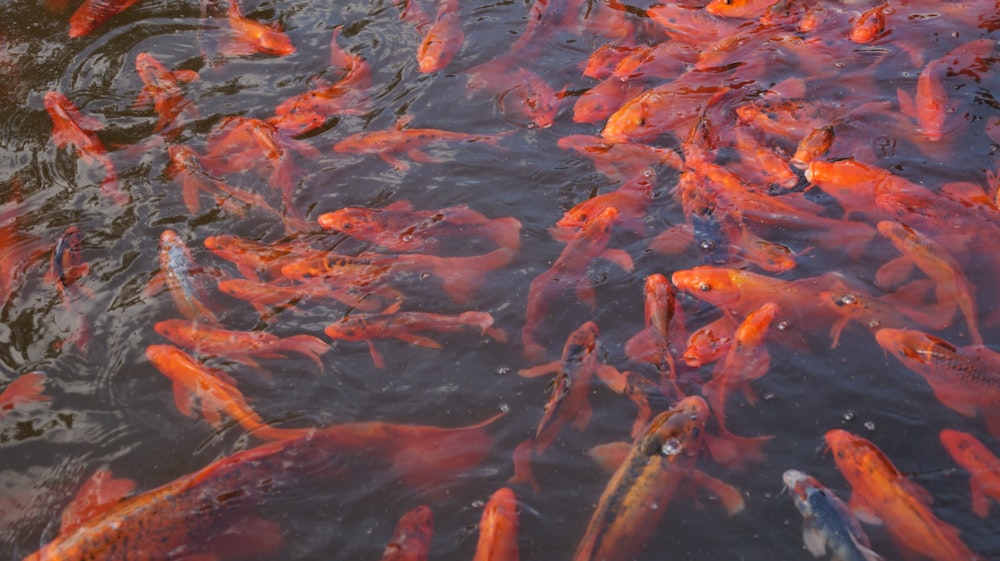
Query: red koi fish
x,y
631,200
70,127
620,161
880,491
268,298
387,143
659,461
570,271
664,332
392,324
239,345
963,378
868,26
215,391
602,62
935,261
162,90
498,528
411,540
531,101
690,25
178,270
897,310
747,360
600,101
302,113
710,342
17,249
67,269
738,9
250,37
767,165
669,108
92,13
253,258
443,39
186,517
398,227
983,467
27,388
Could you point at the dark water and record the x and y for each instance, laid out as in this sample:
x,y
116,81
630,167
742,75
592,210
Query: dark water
x,y
111,408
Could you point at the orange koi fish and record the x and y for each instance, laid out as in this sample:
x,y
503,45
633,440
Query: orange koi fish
x,y
690,25
602,62
746,360
264,296
664,331
600,101
70,127
893,310
178,269
880,491
460,276
393,324
663,61
828,523
852,183
868,26
162,90
568,402
931,258
570,270
66,271
738,9
813,146
443,39
767,165
398,227
620,161
670,108
631,200
983,467
250,37
386,143
215,391
531,100
27,388
411,540
17,249
710,342
92,13
253,258
498,528
963,378
658,462
197,516
302,113
239,345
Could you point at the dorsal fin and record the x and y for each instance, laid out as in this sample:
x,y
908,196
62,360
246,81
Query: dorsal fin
x,y
97,495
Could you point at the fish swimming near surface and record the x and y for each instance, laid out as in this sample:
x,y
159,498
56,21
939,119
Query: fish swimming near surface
x,y
498,528
983,467
26,388
828,526
411,539
93,13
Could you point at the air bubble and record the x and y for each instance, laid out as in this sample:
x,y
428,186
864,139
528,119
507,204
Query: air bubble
x,y
848,299
478,504
425,276
783,325
707,245
503,371
504,408
849,415
874,324
870,425
672,447
840,64
654,506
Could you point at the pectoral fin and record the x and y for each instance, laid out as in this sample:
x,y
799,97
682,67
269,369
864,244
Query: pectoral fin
x,y
97,494
730,496
419,340
813,537
980,502
619,257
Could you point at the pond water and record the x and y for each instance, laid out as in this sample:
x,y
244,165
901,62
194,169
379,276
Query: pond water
x,y
111,408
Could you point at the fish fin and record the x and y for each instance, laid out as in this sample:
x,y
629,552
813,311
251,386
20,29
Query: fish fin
x,y
906,105
184,400
585,293
211,414
496,333
582,417
24,389
734,451
97,495
522,464
980,502
867,552
859,507
894,272
403,122
992,418
247,536
308,345
235,48
609,457
540,370
376,356
185,75
145,98
189,191
619,257
836,329
730,496
421,157
954,396
395,162
813,537
399,205
419,340
393,308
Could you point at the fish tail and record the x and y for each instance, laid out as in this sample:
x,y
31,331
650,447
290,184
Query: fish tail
x,y
506,232
308,345
461,281
735,451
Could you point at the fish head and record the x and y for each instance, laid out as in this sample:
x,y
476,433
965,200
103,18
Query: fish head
x,y
275,43
675,433
347,329
169,328
957,442
914,348
355,222
716,285
599,226
581,343
800,486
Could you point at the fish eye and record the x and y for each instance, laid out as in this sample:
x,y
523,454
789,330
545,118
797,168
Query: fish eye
x,y
705,287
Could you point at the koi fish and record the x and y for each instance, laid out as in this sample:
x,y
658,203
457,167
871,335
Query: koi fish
x,y
392,324
411,540
443,39
893,310
738,9
198,514
215,391
570,268
387,143
268,295
690,25
964,379
66,270
935,261
92,13
70,127
767,165
250,37
531,100
746,360
17,249
600,101
664,330
27,388
498,528
868,26
162,90
710,342
620,161
253,258
239,345
178,269
828,525
631,200
658,462
983,467
398,227
880,491
671,107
